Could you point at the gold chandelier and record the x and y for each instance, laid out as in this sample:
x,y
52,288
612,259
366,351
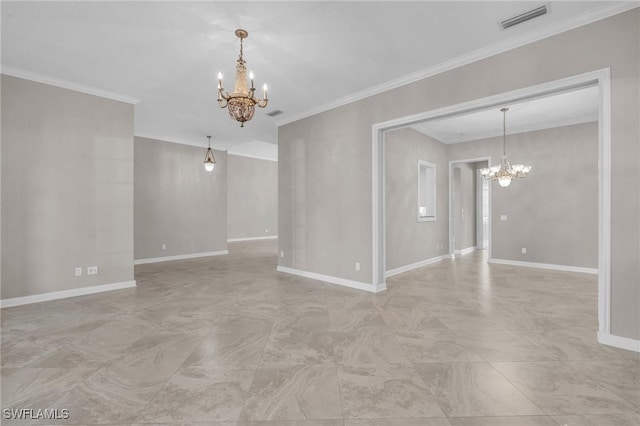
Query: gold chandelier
x,y
505,172
242,102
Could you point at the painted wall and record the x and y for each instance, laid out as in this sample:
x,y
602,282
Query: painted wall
x,y
407,240
177,202
325,161
464,206
252,191
67,189
553,213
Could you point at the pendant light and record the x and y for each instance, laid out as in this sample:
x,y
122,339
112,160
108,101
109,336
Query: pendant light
x,y
505,172
209,159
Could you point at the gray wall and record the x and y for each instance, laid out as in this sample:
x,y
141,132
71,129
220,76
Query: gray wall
x,y
553,213
407,240
177,202
252,191
67,189
464,206
325,161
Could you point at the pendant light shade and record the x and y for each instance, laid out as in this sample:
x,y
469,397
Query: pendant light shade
x,y
209,159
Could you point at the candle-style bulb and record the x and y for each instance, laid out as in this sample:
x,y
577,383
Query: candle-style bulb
x,y
251,75
219,76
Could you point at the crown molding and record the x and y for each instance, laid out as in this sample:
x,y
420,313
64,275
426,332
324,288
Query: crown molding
x,y
177,141
559,27
514,131
52,81
228,151
255,157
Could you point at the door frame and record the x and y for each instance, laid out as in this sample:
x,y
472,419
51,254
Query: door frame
x,y
601,78
480,234
452,249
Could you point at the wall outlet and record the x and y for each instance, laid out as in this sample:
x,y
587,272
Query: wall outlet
x,y
79,271
266,230
92,270
524,250
503,217
357,266
164,247
282,253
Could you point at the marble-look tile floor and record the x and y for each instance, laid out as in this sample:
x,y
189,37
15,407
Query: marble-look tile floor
x,y
228,341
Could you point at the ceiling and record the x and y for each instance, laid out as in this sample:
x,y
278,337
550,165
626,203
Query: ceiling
x,y
561,109
313,54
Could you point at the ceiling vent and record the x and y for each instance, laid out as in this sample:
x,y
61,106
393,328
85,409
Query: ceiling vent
x,y
274,113
534,13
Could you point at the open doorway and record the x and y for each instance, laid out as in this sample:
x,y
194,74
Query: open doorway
x,y
599,79
470,201
483,202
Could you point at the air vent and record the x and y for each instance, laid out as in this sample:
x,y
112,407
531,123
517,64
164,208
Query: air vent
x,y
274,113
534,13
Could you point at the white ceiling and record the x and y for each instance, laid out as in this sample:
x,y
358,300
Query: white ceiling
x,y
562,109
313,53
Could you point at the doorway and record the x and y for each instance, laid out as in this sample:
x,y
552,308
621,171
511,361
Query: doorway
x,y
469,206
483,212
601,79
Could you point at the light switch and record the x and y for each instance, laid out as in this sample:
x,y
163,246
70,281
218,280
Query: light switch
x,y
503,217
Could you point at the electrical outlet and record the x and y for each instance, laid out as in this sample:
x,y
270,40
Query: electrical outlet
x,y
357,266
282,253
92,270
79,271
266,230
524,250
503,217
164,247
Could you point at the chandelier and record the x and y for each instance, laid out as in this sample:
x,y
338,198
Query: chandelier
x,y
209,159
242,102
505,171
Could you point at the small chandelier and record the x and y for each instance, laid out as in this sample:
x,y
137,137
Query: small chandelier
x,y
241,102
505,171
209,159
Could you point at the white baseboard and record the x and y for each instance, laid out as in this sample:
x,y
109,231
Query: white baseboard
x,y
333,280
180,257
82,291
565,268
465,251
416,265
619,342
235,240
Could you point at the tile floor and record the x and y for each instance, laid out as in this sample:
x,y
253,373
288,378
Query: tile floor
x,y
227,341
